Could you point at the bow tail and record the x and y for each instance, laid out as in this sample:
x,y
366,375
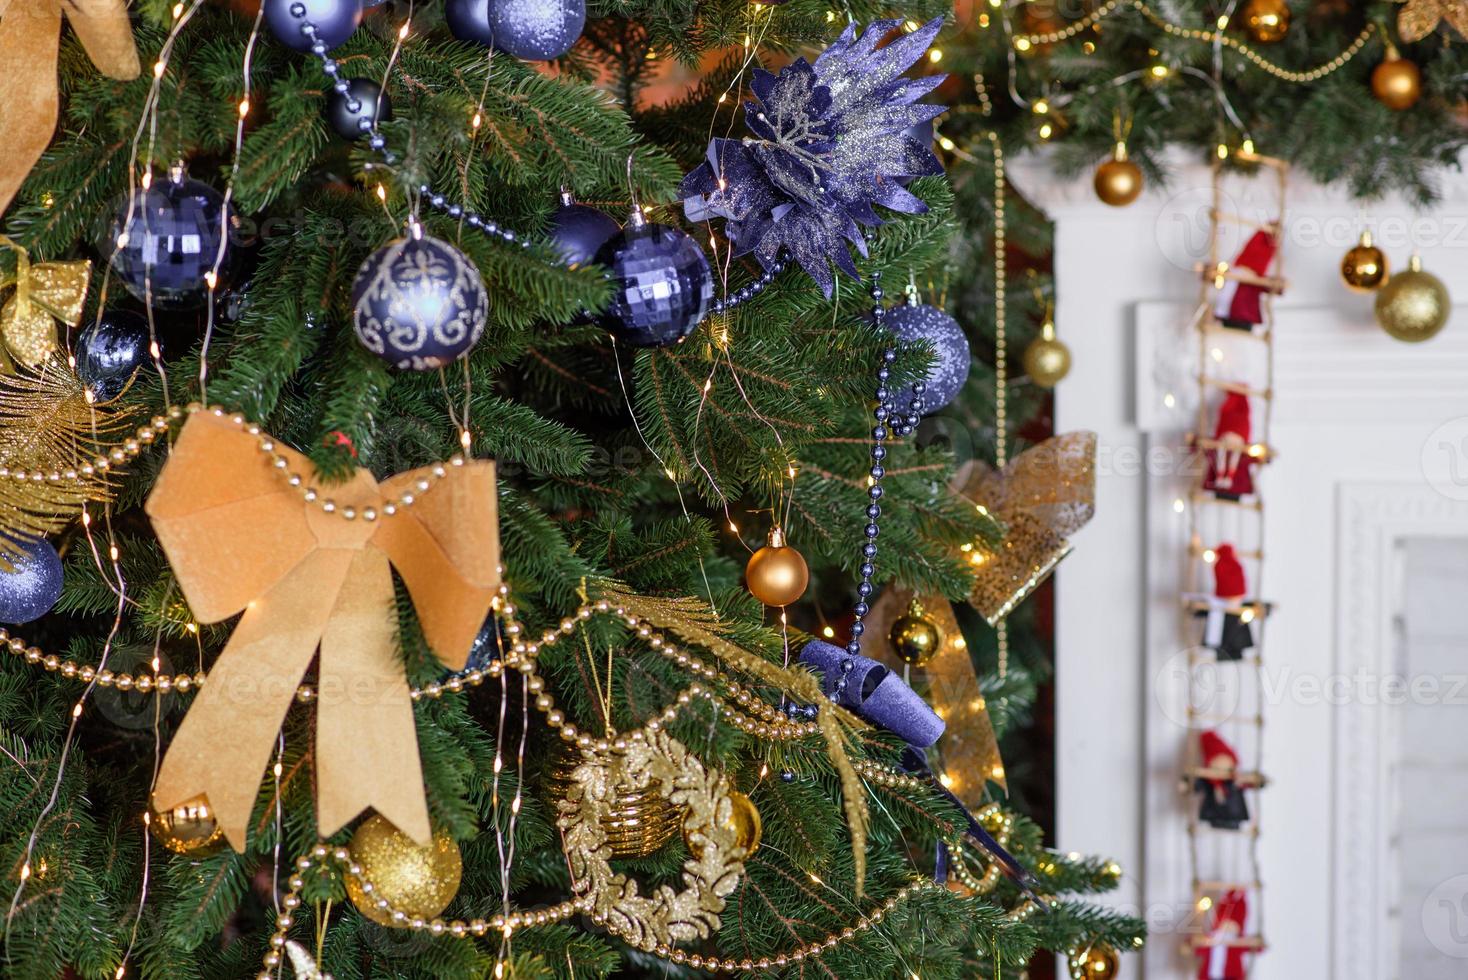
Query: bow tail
x,y
30,36
224,743
366,738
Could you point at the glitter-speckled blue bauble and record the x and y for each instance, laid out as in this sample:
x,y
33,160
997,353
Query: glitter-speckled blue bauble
x,y
166,240
578,232
950,347
109,351
419,303
536,30
663,284
335,20
468,20
32,584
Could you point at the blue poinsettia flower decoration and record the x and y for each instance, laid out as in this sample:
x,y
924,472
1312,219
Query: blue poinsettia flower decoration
x,y
828,142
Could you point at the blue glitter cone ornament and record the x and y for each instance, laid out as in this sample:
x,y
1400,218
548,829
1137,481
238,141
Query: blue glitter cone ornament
x,y
913,322
663,283
536,30
110,351
419,303
578,232
32,583
334,20
828,142
166,240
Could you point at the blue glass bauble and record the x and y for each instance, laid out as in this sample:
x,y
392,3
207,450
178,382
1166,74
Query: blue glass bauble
x,y
486,647
949,371
357,111
32,583
167,239
468,20
109,351
419,303
663,284
579,232
536,30
335,21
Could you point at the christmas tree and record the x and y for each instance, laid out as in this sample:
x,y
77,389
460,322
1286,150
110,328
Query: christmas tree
x,y
342,259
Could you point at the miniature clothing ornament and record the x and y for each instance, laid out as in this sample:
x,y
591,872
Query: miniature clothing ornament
x,y
240,538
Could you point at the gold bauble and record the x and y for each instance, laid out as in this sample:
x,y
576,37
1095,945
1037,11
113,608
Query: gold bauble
x,y
189,828
1397,83
1266,21
1046,359
1118,181
1414,305
1096,963
1365,267
915,637
743,820
418,881
777,574
637,824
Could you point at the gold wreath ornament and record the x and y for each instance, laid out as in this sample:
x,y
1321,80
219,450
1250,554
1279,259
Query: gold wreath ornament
x,y
658,762
45,292
30,41
1419,18
242,536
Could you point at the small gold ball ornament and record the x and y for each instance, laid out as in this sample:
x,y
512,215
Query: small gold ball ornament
x,y
1266,21
915,637
418,881
1397,82
1365,267
743,820
1046,359
776,574
1118,181
188,829
1414,305
1099,962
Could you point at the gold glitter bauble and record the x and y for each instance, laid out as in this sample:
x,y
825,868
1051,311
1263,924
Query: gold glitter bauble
x,y
189,828
418,881
776,574
1266,21
915,637
1414,305
638,822
742,818
1046,359
1397,83
1097,963
1118,181
1365,267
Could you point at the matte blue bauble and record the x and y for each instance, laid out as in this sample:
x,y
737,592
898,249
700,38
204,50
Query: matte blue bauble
x,y
335,21
166,240
578,232
910,323
663,284
110,351
419,303
468,20
357,111
32,584
536,30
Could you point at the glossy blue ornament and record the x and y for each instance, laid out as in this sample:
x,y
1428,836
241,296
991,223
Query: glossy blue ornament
x,y
578,232
32,584
663,284
914,322
536,30
167,239
110,351
468,20
357,111
335,21
419,303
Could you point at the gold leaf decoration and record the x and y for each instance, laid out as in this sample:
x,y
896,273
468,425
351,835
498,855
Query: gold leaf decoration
x,y
1419,18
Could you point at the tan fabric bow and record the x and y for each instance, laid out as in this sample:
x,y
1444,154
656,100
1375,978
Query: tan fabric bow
x,y
30,39
241,539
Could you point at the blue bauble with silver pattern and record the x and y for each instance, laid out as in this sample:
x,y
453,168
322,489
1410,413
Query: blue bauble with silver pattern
x,y
31,584
536,30
419,303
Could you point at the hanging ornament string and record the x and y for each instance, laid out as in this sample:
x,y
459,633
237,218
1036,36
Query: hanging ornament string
x,y
1001,356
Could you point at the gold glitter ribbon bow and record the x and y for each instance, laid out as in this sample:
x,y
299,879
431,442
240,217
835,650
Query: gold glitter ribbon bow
x,y
1419,18
1043,496
30,40
45,292
240,538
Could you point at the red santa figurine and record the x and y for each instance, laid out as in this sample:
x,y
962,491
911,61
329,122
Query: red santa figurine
x,y
1238,303
1224,627
1221,802
1229,464
1223,957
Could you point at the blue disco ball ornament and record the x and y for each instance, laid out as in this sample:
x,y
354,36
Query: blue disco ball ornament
x,y
334,20
419,303
110,351
31,583
663,284
536,30
578,232
167,239
914,322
